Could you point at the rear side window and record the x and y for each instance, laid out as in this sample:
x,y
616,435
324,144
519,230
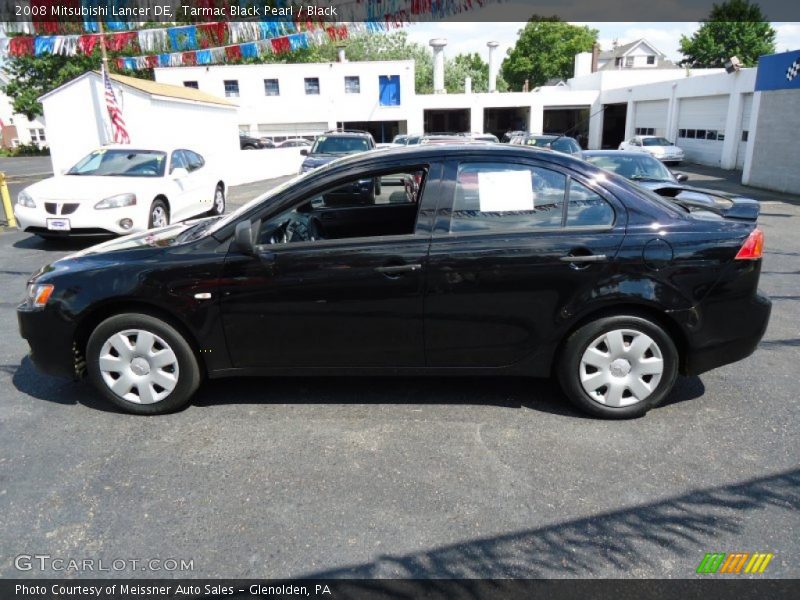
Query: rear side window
x,y
587,208
501,197
507,197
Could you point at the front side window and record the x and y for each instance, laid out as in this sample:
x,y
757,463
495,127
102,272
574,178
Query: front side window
x,y
352,85
272,87
231,88
121,163
178,161
372,206
312,86
506,197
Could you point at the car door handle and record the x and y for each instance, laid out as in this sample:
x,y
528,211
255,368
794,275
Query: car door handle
x,y
589,258
398,269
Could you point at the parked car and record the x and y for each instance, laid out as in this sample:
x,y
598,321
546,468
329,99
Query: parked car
x,y
555,142
294,143
494,260
484,137
400,140
336,144
247,142
268,142
651,173
656,146
510,135
119,189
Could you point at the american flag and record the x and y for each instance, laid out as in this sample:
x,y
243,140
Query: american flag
x,y
114,113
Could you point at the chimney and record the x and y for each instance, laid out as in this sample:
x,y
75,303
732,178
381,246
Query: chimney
x,y
595,56
341,57
467,85
492,66
583,64
438,45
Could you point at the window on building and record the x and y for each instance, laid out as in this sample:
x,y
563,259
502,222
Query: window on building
x,y
645,131
352,85
618,61
37,136
745,135
681,133
231,88
651,60
312,86
190,84
272,87
389,90
629,61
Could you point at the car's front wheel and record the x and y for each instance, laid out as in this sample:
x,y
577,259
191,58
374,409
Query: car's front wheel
x,y
219,201
142,364
159,214
618,367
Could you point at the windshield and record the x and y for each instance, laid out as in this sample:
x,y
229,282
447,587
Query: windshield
x,y
121,163
633,167
657,141
339,145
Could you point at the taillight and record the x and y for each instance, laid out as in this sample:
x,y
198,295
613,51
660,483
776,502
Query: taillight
x,y
753,246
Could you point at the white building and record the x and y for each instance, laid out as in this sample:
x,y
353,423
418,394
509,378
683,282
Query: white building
x,y
16,128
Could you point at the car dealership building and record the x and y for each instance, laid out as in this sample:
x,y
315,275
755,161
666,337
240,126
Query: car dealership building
x,y
744,119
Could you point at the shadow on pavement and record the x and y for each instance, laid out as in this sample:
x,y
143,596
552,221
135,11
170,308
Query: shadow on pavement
x,y
34,242
626,539
540,395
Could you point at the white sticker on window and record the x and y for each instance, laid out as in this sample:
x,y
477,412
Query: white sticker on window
x,y
505,191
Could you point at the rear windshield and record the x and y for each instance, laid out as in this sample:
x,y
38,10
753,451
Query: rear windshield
x,y
339,145
656,142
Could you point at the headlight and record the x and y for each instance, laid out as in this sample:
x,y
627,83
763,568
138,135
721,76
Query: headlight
x,y
24,199
39,294
117,201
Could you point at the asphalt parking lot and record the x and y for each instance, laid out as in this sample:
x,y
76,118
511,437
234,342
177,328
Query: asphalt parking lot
x,y
407,477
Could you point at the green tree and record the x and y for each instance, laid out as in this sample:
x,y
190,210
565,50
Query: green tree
x,y
733,28
469,65
29,77
546,48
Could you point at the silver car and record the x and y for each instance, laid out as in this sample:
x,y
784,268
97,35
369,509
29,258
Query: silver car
x,y
657,147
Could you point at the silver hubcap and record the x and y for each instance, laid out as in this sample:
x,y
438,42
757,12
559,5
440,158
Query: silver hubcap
x,y
219,201
621,367
139,366
159,217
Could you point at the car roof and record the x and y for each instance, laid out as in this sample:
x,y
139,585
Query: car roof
x,y
168,148
620,153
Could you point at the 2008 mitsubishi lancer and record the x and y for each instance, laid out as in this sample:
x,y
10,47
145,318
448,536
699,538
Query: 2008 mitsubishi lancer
x,y
479,259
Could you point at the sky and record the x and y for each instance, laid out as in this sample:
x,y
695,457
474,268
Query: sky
x,y
472,36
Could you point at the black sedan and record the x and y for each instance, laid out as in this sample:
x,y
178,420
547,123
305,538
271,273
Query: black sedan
x,y
649,172
498,260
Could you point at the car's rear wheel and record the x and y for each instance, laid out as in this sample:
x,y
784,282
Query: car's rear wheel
x,y
142,364
618,367
159,214
219,201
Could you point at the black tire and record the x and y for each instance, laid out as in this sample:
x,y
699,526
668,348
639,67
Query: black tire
x,y
157,204
568,368
188,372
216,210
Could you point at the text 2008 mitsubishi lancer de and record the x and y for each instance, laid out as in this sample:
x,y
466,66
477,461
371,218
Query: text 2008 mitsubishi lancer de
x,y
476,259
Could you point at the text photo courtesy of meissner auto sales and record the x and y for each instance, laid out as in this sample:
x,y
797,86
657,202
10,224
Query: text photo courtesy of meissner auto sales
x,y
369,299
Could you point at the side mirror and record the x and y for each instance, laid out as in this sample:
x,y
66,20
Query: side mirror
x,y
681,177
179,173
304,151
243,238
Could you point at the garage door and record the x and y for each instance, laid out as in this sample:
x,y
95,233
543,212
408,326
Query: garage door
x,y
650,117
747,110
701,128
